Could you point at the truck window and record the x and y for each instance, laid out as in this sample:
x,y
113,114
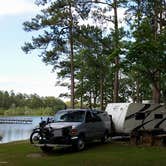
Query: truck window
x,y
96,118
88,117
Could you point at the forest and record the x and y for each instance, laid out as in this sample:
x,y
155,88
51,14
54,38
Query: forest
x,y
23,104
103,50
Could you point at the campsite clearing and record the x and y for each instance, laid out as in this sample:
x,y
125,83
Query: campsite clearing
x,y
114,154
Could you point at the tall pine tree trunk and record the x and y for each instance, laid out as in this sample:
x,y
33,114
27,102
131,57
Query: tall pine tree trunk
x,y
101,91
116,77
72,74
156,94
90,99
156,83
71,56
82,85
138,100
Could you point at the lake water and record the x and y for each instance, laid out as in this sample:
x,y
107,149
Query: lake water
x,y
16,132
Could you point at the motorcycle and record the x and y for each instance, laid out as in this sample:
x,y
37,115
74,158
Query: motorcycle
x,y
42,135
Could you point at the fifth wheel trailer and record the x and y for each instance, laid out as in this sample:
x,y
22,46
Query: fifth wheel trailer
x,y
138,120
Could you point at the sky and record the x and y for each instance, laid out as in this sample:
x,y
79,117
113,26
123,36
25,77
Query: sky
x,y
20,72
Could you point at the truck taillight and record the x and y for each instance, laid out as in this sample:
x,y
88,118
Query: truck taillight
x,y
74,131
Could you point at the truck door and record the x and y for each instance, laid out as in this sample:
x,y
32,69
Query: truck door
x,y
94,126
89,126
98,125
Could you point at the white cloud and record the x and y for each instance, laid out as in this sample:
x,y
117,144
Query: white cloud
x,y
30,85
15,7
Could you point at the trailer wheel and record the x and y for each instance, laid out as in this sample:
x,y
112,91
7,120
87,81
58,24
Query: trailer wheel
x,y
164,141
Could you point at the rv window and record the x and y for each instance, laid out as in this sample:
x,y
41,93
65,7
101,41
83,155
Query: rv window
x,y
158,116
139,116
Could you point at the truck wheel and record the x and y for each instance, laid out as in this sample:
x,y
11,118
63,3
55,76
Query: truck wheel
x,y
36,137
46,149
80,144
105,138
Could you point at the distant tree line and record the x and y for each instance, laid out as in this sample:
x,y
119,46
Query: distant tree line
x,y
105,59
22,103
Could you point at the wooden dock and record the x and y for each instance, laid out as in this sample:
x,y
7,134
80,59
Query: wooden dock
x,y
16,120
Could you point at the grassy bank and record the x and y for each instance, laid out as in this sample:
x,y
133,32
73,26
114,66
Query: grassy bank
x,y
113,154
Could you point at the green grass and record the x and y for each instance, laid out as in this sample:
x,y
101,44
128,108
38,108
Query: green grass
x,y
113,154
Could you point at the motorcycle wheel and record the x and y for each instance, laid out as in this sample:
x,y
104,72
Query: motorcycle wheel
x,y
36,137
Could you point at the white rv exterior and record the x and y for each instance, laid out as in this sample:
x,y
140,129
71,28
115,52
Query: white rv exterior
x,y
127,117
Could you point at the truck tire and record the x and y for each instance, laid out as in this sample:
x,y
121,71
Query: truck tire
x,y
79,145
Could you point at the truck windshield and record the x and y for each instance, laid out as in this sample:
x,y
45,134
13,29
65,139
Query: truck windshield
x,y
70,116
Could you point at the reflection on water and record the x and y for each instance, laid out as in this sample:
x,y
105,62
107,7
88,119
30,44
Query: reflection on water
x,y
15,132
12,132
